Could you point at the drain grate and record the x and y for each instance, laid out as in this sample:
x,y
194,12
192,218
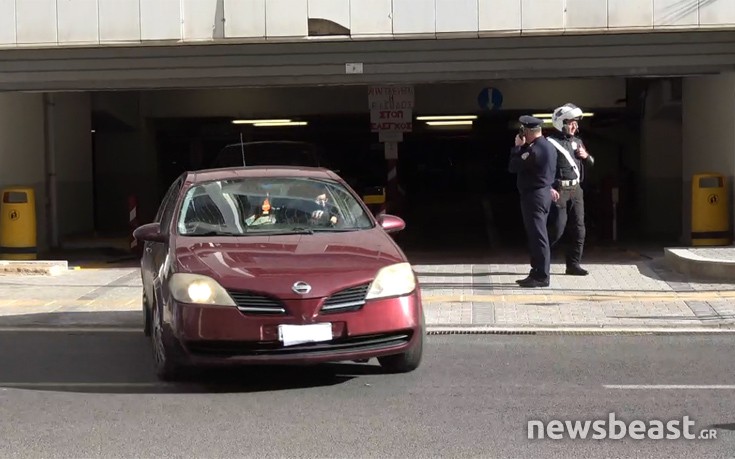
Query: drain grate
x,y
571,332
481,332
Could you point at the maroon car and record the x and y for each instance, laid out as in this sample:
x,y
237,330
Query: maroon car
x,y
275,265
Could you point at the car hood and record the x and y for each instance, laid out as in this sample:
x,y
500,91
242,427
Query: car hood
x,y
329,262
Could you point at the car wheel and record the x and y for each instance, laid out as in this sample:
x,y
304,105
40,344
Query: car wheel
x,y
166,355
147,322
406,362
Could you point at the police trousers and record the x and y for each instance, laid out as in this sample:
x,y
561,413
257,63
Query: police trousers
x,y
535,207
569,209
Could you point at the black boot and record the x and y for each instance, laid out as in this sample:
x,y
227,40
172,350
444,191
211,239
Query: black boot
x,y
531,282
576,270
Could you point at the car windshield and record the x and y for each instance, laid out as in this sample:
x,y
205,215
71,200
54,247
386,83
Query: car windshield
x,y
267,154
269,205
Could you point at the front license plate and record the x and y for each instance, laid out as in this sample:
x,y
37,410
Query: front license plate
x,y
300,334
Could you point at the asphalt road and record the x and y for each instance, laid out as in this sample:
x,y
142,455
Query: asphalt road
x,y
94,395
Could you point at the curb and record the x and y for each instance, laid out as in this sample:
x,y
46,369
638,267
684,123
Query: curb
x,y
33,267
578,330
688,263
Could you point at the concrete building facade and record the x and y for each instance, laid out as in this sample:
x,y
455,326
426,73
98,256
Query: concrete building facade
x,y
69,66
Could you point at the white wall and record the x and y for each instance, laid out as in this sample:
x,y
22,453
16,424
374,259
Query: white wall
x,y
708,132
71,22
430,99
22,149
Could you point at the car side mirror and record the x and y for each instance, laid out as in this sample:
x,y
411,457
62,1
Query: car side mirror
x,y
391,223
150,232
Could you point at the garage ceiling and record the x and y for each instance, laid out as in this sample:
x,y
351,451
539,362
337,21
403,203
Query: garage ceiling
x,y
396,61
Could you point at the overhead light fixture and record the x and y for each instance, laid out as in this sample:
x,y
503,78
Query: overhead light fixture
x,y
259,121
446,117
549,115
449,123
275,124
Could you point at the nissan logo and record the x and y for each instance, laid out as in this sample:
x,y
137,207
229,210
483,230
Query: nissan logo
x,y
302,288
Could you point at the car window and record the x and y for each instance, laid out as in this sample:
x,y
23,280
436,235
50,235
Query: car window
x,y
248,206
168,205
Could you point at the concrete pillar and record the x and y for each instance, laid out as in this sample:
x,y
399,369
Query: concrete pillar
x,y
22,150
661,164
126,161
73,149
708,133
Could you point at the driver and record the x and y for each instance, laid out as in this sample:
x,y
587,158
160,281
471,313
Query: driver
x,y
324,213
315,204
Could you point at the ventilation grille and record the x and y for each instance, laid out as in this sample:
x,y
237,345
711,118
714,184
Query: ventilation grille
x,y
350,299
250,303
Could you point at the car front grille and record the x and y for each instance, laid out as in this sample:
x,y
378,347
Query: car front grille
x,y
251,303
350,299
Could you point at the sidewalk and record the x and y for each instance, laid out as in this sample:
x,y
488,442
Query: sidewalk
x,y
624,289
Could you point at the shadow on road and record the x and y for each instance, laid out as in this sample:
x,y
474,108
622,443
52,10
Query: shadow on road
x,y
68,316
119,360
465,274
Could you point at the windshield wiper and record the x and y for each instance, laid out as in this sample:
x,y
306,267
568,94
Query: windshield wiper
x,y
336,230
297,230
213,233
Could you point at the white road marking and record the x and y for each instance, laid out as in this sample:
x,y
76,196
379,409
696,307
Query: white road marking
x,y
670,386
62,329
80,384
479,329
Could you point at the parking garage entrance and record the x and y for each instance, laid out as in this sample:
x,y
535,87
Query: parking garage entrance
x,y
455,192
138,94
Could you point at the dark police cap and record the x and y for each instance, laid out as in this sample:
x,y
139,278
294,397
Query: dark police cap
x,y
530,121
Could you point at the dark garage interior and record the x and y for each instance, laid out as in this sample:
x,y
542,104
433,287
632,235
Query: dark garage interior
x,y
458,193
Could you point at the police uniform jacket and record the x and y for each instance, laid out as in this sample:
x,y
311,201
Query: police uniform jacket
x,y
534,164
564,170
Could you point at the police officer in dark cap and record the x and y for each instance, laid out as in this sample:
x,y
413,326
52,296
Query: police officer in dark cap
x,y
533,159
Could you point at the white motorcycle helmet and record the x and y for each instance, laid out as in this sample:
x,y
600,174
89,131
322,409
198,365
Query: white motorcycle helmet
x,y
565,113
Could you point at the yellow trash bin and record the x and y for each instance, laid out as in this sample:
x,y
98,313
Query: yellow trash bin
x,y
710,210
18,239
374,195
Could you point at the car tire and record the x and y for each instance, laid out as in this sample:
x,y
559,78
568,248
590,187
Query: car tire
x,y
147,320
407,361
166,353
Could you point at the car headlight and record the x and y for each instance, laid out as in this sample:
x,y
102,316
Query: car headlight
x,y
198,289
393,280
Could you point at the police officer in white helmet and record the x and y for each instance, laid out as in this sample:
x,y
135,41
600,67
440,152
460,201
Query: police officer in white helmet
x,y
567,192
